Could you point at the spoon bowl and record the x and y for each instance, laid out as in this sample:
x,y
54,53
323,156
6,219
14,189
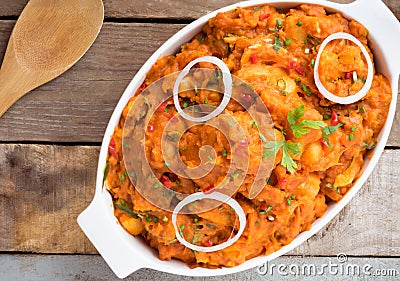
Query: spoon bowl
x,y
49,37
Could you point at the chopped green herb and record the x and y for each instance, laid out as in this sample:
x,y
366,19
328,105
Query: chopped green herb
x,y
292,197
206,101
235,175
353,128
262,212
184,148
298,79
232,209
167,164
315,40
305,89
257,223
166,110
362,110
269,208
224,153
306,41
277,44
351,136
155,220
284,93
196,220
181,227
326,116
329,130
255,125
230,123
149,219
287,42
221,208
269,181
256,9
299,23
123,203
210,158
289,202
165,219
211,226
363,79
263,138
196,90
279,23
312,63
156,185
185,104
106,170
178,183
127,210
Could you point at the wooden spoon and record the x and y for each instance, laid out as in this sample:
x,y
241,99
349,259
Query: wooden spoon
x,y
49,37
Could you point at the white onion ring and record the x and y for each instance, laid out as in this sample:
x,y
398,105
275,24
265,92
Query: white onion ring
x,y
226,78
216,196
359,95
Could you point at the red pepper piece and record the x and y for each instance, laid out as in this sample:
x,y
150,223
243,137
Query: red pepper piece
x,y
150,128
349,75
162,107
282,181
254,58
112,148
335,119
209,190
299,70
247,98
292,64
209,243
324,142
263,207
264,16
166,181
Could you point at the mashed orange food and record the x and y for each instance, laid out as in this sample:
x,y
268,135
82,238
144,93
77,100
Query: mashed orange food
x,y
274,51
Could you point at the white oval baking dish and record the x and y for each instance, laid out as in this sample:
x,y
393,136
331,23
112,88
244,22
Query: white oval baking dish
x,y
126,254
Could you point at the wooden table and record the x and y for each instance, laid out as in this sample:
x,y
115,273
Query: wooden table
x,y
49,145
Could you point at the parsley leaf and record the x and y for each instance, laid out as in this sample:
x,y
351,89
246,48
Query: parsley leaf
x,y
288,149
301,128
329,130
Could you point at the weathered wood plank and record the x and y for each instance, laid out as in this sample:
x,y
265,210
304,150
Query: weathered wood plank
x,y
43,188
185,9
83,267
76,107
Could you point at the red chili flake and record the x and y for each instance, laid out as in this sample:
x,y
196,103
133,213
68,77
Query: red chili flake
x,y
150,128
209,243
349,75
263,207
292,64
247,98
142,87
264,16
299,70
254,58
162,107
282,181
166,181
335,119
209,190
112,148
324,142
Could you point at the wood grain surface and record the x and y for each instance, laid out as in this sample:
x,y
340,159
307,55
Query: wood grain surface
x,y
183,9
45,187
94,268
76,107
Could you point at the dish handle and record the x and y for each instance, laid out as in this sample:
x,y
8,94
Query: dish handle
x,y
115,250
384,27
